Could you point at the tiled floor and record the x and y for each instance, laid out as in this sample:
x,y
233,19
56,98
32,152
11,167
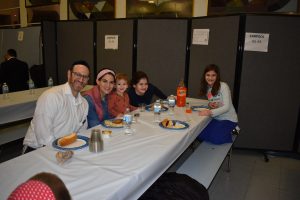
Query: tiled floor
x,y
251,178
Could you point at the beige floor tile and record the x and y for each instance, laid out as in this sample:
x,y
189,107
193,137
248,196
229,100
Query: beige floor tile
x,y
262,192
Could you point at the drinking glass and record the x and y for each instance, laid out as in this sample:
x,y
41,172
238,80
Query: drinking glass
x,y
96,141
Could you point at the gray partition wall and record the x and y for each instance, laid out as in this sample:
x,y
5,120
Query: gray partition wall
x,y
119,59
221,50
269,92
28,48
161,51
49,50
75,41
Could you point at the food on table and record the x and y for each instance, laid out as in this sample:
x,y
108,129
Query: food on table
x,y
117,121
66,140
114,123
106,133
167,123
63,156
172,124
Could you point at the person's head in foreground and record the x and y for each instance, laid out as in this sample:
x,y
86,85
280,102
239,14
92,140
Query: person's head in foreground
x,y
41,186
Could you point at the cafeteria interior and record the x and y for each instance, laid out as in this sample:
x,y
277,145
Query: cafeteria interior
x,y
265,161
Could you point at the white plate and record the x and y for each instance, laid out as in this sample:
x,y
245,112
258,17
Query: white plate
x,y
184,125
81,142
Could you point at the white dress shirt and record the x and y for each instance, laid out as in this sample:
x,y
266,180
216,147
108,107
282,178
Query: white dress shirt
x,y
57,113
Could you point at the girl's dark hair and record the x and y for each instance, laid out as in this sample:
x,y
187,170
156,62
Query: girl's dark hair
x,y
57,186
204,85
138,76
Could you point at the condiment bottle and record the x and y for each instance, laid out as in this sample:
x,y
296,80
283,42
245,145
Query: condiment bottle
x,y
181,94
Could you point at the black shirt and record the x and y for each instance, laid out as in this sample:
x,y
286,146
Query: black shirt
x,y
135,99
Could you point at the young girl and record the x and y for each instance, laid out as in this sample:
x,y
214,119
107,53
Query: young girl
x,y
142,91
118,100
224,120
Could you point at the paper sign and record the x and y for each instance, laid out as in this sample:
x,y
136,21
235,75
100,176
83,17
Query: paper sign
x,y
111,41
256,42
200,36
20,35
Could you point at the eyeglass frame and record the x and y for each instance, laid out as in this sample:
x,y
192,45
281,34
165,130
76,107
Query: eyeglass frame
x,y
79,76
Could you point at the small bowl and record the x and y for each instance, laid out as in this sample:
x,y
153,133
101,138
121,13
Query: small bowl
x,y
106,133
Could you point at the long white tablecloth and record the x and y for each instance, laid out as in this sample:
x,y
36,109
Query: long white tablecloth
x,y
124,170
19,105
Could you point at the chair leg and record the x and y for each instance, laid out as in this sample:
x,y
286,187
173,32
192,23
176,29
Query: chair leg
x,y
229,160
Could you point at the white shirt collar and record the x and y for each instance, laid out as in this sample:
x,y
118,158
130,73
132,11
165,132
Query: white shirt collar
x,y
67,90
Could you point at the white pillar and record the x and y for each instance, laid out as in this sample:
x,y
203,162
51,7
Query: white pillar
x,y
63,10
23,13
120,8
200,8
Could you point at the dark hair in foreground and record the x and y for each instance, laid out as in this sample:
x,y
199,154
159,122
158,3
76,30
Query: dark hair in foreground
x,y
12,52
204,85
79,62
138,76
57,186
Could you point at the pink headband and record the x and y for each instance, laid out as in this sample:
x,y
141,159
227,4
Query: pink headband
x,y
32,189
103,72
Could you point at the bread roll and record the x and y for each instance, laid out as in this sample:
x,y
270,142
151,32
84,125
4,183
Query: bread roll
x,y
167,123
66,140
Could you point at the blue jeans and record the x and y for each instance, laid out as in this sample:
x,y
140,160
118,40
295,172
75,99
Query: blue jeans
x,y
218,131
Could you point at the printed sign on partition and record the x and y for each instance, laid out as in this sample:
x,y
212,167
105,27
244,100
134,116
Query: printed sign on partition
x,y
200,36
256,42
111,42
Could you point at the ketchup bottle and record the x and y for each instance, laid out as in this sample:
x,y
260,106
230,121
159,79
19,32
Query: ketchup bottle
x,y
181,94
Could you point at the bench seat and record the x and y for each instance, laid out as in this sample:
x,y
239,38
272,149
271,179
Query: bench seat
x,y
205,161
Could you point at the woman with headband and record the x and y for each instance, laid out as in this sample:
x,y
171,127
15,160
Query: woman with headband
x,y
97,97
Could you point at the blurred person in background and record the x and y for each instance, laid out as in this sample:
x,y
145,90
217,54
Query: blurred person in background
x,y
14,72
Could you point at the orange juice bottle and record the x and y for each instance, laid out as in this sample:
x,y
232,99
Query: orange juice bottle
x,y
181,94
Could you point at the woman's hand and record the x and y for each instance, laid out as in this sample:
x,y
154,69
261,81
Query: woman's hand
x,y
205,113
213,105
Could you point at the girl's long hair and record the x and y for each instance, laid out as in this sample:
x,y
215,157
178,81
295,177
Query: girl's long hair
x,y
204,85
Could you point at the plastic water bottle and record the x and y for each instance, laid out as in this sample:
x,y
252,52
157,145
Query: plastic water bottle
x,y
50,82
157,109
5,91
172,103
31,86
127,119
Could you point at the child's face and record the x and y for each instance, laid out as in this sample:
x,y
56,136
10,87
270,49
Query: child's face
x,y
211,77
141,87
121,86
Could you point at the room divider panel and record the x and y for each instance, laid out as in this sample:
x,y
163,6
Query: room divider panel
x,y
75,41
269,91
119,59
49,50
161,51
221,50
26,41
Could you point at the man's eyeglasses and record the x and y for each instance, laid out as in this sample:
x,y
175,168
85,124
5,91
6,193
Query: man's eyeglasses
x,y
79,76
